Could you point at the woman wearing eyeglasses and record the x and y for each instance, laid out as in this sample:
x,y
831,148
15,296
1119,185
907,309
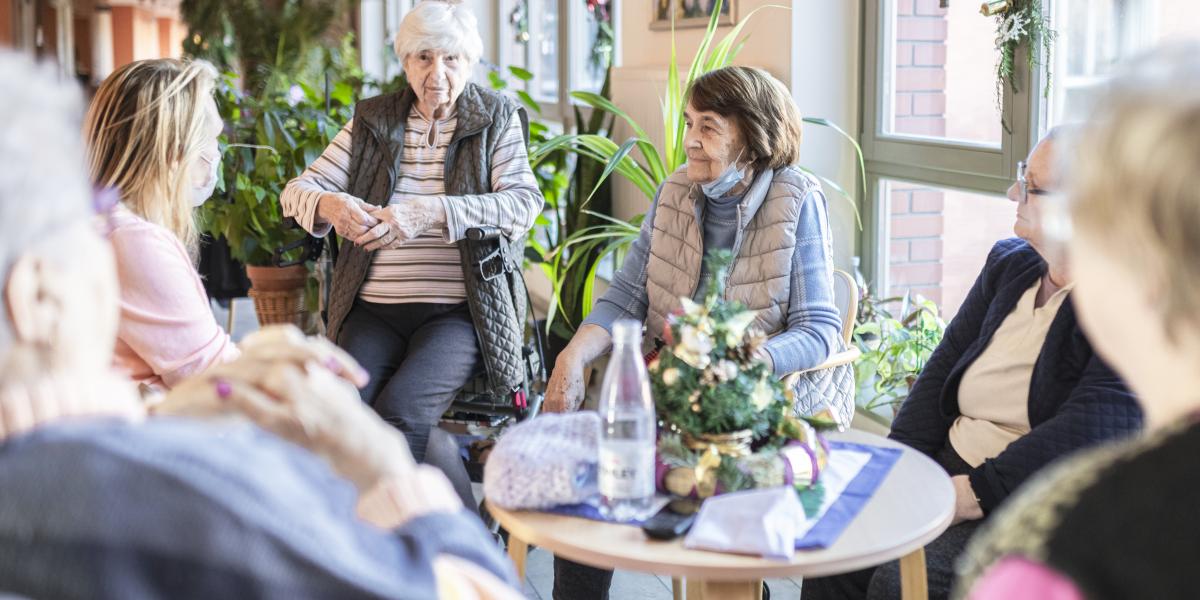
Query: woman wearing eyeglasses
x,y
151,132
1013,385
1119,521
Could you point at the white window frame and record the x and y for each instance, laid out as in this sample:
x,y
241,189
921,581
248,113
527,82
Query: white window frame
x,y
952,164
561,107
1134,35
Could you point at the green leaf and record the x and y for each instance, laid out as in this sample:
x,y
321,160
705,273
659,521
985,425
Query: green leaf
x,y
632,224
498,82
602,149
655,165
528,101
710,33
612,164
520,73
729,47
342,93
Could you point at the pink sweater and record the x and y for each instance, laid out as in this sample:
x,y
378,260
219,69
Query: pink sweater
x,y
167,330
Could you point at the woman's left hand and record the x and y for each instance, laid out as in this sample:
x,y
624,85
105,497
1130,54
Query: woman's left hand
x,y
966,507
402,221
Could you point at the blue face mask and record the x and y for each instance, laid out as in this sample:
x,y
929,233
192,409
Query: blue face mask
x,y
728,178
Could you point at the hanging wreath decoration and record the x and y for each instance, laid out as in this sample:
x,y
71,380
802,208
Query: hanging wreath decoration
x,y
1018,21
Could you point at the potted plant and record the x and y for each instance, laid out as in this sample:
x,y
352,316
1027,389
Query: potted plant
x,y
280,111
268,141
894,349
727,421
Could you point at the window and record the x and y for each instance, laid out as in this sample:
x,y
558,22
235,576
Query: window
x,y
1095,35
535,35
934,86
543,25
942,149
938,239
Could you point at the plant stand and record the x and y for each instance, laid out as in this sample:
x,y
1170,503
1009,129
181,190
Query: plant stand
x,y
278,294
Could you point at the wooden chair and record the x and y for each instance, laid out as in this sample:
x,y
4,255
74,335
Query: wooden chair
x,y
845,297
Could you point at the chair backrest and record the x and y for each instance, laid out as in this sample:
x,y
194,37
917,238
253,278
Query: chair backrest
x,y
845,297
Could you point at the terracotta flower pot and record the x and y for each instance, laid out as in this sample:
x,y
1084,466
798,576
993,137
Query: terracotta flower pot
x,y
278,294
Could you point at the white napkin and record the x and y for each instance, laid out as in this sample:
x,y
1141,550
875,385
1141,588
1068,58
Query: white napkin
x,y
761,522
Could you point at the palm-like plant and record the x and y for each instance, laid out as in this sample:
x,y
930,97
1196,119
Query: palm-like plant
x,y
586,249
266,37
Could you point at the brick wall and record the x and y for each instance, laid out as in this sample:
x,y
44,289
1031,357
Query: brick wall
x,y
915,213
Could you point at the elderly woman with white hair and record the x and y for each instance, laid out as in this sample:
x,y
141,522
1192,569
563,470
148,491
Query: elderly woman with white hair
x,y
100,502
402,183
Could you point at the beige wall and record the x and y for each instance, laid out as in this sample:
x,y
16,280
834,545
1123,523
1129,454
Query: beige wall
x,y
145,35
769,45
825,83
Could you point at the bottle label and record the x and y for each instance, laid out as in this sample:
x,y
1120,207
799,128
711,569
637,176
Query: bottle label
x,y
626,470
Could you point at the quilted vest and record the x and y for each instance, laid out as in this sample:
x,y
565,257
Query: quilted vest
x,y
761,274
376,149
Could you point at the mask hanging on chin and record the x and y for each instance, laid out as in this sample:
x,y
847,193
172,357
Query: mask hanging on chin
x,y
726,181
201,194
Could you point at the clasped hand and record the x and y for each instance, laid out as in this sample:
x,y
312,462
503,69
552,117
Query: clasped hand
x,y
401,222
303,390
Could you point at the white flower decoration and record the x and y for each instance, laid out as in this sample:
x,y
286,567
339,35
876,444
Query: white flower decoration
x,y
1011,29
690,307
725,370
736,327
670,376
762,396
693,347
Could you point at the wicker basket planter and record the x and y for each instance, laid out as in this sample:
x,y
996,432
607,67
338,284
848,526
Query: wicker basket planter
x,y
278,294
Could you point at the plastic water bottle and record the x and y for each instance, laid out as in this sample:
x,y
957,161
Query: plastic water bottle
x,y
627,429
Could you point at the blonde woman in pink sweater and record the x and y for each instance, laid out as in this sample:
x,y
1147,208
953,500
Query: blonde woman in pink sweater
x,y
151,133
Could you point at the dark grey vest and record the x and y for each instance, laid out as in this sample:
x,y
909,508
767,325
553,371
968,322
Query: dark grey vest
x,y
376,149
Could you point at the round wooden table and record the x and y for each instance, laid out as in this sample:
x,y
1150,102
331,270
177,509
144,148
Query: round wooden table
x,y
912,507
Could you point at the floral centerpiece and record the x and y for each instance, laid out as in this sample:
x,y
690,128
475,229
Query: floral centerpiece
x,y
726,419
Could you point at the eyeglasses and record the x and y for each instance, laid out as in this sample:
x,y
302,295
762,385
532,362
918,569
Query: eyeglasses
x,y
1055,217
1022,168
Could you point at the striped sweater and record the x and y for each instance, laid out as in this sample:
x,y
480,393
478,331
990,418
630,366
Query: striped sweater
x,y
427,269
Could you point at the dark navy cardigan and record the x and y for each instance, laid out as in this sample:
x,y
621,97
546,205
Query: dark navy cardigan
x,y
1075,400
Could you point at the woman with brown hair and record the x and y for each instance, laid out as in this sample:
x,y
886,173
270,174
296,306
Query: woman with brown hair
x,y
740,191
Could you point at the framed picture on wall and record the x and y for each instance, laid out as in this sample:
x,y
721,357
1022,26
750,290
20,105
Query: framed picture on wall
x,y
691,13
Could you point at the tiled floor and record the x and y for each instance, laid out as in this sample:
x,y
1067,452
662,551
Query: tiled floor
x,y
244,319
539,575
539,580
